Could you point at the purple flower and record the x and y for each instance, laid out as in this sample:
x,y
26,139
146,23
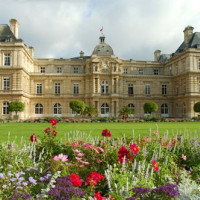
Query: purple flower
x,y
9,173
13,179
41,178
25,183
1,176
169,189
32,180
4,186
130,198
20,179
141,191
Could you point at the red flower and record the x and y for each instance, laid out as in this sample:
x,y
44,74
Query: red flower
x,y
54,133
155,165
124,152
47,130
134,148
33,138
53,122
75,179
94,178
97,196
106,133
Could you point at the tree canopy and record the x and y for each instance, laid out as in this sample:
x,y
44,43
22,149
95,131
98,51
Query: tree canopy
x,y
90,111
126,111
197,107
77,106
150,107
16,106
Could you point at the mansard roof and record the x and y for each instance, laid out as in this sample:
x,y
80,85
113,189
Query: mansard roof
x,y
6,34
193,43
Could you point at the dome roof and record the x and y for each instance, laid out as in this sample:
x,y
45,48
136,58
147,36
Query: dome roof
x,y
103,49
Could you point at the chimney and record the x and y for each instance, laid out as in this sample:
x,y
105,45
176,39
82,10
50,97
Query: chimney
x,y
14,25
157,55
188,32
81,54
31,51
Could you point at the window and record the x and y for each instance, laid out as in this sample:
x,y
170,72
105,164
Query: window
x,y
184,88
114,85
76,88
6,83
59,69
177,110
155,71
184,109
147,89
199,64
39,88
42,69
199,86
131,106
104,87
7,59
5,108
96,68
126,71
76,71
141,71
57,108
57,88
164,109
177,90
38,108
105,108
164,89
96,85
115,68
130,89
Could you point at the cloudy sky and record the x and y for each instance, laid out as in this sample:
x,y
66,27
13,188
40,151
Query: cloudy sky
x,y
133,28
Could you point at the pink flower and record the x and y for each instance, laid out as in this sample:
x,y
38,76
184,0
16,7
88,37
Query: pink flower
x,y
156,132
85,163
76,151
87,146
79,159
61,157
124,152
33,138
56,158
134,148
80,154
53,122
155,166
184,157
100,149
106,133
75,144
146,139
95,149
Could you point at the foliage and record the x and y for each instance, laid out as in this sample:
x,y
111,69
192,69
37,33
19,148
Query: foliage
x,y
16,106
150,107
197,107
77,106
125,111
90,111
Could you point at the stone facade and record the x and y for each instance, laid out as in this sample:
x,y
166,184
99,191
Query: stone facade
x,y
47,86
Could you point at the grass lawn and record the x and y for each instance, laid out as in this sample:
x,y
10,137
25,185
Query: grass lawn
x,y
17,130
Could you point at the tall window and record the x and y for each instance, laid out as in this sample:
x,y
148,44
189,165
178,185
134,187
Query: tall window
x,y
115,85
177,110
57,108
164,109
57,88
184,88
126,71
105,108
59,69
39,88
199,86
104,87
141,71
42,69
131,106
96,85
7,59
130,89
155,72
38,108
76,70
177,90
5,108
184,109
6,83
147,89
164,89
76,88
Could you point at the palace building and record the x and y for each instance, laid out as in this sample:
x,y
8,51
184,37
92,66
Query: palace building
x,y
47,86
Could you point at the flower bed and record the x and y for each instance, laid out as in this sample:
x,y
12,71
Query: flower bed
x,y
101,167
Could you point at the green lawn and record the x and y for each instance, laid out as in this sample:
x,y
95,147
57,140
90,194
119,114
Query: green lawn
x,y
17,130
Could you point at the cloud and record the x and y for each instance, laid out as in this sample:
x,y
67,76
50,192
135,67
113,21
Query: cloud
x,y
134,28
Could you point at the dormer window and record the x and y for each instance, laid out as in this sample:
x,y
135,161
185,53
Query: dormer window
x,y
126,71
155,72
7,59
76,71
141,71
59,69
42,69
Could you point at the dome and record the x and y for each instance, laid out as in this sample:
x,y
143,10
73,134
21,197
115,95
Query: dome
x,y
103,49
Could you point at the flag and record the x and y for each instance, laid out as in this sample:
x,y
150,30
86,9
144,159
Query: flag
x,y
101,29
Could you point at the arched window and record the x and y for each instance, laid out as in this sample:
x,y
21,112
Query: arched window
x,y
105,108
38,108
57,108
184,109
164,109
104,87
5,108
131,106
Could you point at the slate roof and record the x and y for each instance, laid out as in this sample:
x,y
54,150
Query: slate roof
x,y
193,43
6,34
164,57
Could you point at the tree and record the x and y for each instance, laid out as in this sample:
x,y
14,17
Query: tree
x,y
125,111
150,107
77,106
197,107
90,111
16,106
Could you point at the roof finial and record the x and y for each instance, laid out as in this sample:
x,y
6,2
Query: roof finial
x,y
101,30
